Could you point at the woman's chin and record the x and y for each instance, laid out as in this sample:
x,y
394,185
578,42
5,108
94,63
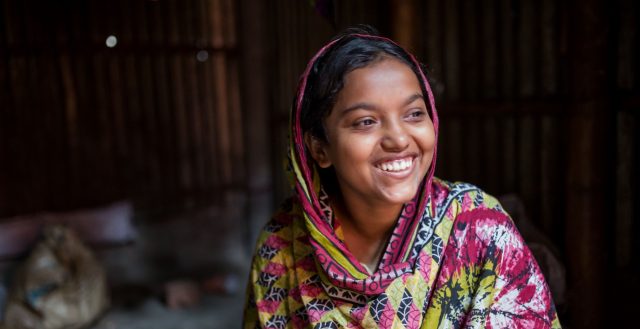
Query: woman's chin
x,y
398,196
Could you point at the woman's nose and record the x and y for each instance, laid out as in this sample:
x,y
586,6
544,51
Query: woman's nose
x,y
395,137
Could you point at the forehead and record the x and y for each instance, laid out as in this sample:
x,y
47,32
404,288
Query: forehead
x,y
383,81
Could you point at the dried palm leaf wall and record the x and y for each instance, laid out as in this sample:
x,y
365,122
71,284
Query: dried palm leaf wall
x,y
154,118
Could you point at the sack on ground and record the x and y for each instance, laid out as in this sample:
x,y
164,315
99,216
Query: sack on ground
x,y
60,285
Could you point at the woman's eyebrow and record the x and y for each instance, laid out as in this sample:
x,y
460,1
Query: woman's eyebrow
x,y
413,98
359,106
372,107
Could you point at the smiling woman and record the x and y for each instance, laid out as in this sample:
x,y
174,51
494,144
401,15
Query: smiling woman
x,y
380,141
370,238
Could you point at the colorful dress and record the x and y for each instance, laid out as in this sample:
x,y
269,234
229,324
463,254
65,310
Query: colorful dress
x,y
454,259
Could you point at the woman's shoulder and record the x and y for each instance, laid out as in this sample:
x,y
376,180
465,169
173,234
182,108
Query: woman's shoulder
x,y
461,197
485,244
279,225
275,240
468,207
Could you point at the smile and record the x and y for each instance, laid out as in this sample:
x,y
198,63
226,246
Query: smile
x,y
396,165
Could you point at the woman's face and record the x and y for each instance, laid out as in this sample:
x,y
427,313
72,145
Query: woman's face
x,y
380,138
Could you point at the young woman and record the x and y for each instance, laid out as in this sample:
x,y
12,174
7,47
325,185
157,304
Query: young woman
x,y
370,238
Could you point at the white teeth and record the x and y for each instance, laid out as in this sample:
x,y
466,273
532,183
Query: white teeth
x,y
397,165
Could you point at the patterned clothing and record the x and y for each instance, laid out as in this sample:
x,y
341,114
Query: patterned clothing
x,y
454,259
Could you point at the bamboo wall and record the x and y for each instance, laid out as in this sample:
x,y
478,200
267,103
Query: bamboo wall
x,y
498,72
627,103
155,119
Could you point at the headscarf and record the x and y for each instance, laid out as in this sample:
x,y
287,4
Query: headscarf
x,y
340,267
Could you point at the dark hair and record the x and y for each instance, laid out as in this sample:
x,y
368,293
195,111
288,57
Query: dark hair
x,y
326,77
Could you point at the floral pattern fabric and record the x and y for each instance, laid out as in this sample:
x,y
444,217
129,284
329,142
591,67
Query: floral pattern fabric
x,y
473,271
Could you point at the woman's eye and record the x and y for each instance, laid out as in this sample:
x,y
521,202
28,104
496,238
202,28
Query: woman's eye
x,y
364,123
418,114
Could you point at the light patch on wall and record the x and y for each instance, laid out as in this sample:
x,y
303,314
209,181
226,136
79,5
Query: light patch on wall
x,y
111,41
202,55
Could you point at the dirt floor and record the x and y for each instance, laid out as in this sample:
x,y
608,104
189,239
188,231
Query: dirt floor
x,y
214,312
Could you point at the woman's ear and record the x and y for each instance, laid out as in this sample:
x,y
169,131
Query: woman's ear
x,y
318,149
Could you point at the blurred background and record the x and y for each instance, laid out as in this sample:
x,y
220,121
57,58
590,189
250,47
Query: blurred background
x,y
170,118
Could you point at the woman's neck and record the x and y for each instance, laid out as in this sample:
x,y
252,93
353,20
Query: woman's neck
x,y
371,223
366,228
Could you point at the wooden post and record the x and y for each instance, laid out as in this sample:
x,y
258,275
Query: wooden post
x,y
587,172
